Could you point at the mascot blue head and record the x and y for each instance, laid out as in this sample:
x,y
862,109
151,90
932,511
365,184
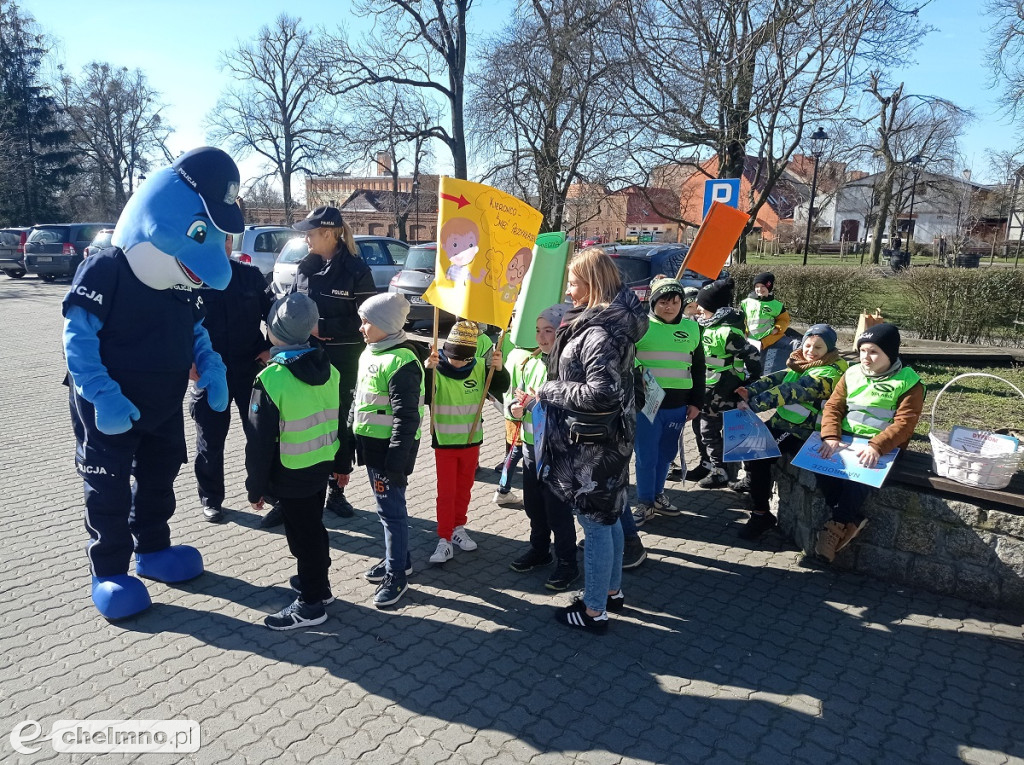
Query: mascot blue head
x,y
173,229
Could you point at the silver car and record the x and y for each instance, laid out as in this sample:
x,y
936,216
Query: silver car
x,y
385,257
259,245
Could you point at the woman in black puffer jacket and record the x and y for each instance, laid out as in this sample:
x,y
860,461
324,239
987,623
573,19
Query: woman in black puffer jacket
x,y
591,372
335,277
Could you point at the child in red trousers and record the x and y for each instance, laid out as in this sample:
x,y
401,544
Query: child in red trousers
x,y
455,383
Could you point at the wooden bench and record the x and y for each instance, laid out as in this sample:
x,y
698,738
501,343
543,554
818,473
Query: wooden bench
x,y
915,469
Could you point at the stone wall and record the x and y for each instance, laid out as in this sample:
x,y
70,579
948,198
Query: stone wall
x,y
922,539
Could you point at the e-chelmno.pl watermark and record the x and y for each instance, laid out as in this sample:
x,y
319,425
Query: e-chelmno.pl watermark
x,y
108,736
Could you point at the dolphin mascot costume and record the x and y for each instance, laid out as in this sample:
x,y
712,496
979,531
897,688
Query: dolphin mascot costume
x,y
132,330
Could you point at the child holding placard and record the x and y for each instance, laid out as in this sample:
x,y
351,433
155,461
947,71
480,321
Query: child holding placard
x,y
879,399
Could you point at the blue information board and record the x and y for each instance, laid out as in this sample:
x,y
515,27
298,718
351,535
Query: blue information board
x,y
724,190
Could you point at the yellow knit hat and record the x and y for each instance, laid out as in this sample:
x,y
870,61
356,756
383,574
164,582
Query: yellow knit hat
x,y
461,342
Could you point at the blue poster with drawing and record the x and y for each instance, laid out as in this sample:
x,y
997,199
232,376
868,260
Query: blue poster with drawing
x,y
745,437
844,464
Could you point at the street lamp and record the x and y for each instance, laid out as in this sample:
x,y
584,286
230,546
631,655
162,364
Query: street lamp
x,y
818,139
915,163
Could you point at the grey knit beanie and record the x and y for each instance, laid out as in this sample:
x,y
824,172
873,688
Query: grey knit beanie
x,y
387,311
292,319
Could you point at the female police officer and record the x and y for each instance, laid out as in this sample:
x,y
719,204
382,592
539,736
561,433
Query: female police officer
x,y
338,281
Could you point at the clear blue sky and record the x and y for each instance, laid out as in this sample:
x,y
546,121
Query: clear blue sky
x,y
177,45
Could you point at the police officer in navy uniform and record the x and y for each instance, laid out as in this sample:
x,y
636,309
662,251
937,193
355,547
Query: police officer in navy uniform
x,y
335,277
233,317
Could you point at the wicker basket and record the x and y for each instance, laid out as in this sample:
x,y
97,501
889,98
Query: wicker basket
x,y
982,470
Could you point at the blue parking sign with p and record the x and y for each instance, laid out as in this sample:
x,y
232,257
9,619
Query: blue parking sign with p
x,y
724,190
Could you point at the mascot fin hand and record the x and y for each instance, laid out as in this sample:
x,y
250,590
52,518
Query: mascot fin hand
x,y
114,412
212,372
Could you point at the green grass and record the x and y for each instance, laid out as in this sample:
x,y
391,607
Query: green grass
x,y
974,402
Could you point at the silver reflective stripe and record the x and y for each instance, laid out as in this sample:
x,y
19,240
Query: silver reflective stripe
x,y
679,374
370,398
305,447
663,356
318,418
371,418
714,361
456,410
798,409
454,427
872,416
528,427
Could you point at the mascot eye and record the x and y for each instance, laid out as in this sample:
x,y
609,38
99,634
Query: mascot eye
x,y
197,231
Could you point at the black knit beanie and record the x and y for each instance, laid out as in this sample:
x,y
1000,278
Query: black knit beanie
x,y
767,279
886,337
716,295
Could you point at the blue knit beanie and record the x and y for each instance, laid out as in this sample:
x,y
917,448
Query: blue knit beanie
x,y
825,332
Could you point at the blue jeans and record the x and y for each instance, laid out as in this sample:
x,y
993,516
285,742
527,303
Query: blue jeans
x,y
657,444
395,518
602,562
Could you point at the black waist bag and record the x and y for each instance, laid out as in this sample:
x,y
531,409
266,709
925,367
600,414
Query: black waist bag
x,y
592,427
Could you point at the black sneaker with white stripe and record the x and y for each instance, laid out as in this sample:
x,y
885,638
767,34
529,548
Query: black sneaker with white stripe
x,y
296,586
575,615
376,573
298,614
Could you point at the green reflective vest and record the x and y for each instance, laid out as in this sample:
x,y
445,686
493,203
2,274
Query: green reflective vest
x,y
527,371
667,350
373,415
308,416
716,358
760,316
455,407
799,413
871,404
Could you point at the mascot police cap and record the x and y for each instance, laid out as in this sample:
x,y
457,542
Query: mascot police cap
x,y
174,227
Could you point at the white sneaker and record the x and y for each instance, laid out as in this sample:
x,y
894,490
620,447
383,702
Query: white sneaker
x,y
443,553
642,513
462,539
508,499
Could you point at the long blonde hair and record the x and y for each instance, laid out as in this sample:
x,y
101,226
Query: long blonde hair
x,y
344,236
593,267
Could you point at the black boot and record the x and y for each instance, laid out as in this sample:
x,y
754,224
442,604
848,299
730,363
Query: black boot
x,y
757,524
338,504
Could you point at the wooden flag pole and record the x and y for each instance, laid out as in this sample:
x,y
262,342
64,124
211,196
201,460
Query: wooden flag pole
x,y
487,385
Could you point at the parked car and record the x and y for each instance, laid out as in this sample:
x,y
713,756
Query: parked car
x,y
260,246
12,251
101,242
56,249
384,256
413,280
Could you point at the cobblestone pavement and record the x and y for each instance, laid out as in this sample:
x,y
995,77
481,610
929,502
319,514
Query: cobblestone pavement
x,y
725,653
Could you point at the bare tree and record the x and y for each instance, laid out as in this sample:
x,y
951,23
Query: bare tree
x,y
418,44
276,107
746,77
117,128
1006,54
540,107
906,127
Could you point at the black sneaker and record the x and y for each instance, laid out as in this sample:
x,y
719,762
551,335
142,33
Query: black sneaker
x,y
298,614
338,504
616,602
376,573
213,514
296,586
576,616
274,518
714,480
390,591
742,486
531,559
695,474
756,525
499,467
633,553
564,575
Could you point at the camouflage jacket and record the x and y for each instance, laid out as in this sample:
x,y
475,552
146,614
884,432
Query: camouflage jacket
x,y
770,392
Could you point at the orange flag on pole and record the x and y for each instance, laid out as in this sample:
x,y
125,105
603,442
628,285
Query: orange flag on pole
x,y
715,239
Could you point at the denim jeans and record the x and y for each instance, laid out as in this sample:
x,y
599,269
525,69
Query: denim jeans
x,y
602,562
657,444
395,518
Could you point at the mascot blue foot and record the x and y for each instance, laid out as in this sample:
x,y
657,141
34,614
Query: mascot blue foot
x,y
118,597
177,563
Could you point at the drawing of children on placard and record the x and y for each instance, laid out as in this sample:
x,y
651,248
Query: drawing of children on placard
x,y
460,239
515,273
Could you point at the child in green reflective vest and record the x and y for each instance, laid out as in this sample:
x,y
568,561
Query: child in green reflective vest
x,y
456,379
797,394
766,318
879,399
386,416
294,418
